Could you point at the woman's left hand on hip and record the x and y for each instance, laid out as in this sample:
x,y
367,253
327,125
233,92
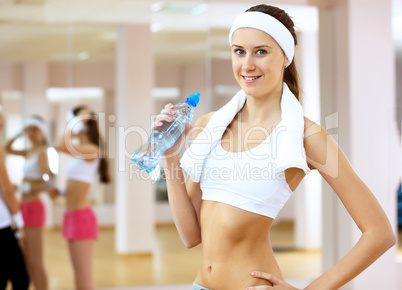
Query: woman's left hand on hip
x,y
277,283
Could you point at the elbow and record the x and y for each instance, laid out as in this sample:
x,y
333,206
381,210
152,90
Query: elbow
x,y
191,243
387,239
390,240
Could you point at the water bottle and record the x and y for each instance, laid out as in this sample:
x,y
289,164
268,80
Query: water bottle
x,y
163,137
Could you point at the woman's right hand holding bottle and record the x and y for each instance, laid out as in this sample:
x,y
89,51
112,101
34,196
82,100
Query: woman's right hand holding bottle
x,y
163,116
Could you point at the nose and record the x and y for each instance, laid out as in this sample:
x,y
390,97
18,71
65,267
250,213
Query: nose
x,y
248,64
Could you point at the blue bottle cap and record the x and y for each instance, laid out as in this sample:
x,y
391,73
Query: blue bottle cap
x,y
193,99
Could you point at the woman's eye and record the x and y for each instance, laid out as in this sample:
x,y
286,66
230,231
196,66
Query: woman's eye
x,y
261,52
239,51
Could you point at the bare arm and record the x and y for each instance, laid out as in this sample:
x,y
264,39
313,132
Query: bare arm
x,y
377,234
86,151
6,186
9,197
185,202
377,237
10,150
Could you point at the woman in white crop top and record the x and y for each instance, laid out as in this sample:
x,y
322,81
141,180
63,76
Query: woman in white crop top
x,y
241,179
82,141
32,207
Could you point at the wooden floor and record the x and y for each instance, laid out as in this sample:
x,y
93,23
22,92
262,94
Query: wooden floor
x,y
171,264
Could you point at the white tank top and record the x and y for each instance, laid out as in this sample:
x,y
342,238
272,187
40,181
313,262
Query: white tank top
x,y
81,170
5,216
248,180
31,167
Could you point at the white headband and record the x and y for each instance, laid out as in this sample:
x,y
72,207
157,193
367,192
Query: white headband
x,y
30,121
268,24
70,115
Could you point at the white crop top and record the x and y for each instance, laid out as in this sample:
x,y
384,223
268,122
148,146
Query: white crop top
x,y
252,180
31,167
5,216
81,170
249,180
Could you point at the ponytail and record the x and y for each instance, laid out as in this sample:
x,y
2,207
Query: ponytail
x,y
291,78
95,138
103,168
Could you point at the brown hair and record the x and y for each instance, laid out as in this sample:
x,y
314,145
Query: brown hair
x,y
94,137
290,77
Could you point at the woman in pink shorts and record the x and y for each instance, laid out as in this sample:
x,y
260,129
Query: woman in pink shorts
x,y
82,141
32,208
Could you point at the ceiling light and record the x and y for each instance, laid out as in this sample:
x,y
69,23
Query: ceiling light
x,y
156,27
31,2
180,7
60,94
83,55
157,6
200,9
165,93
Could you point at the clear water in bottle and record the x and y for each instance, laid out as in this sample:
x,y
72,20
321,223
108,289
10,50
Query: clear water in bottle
x,y
163,137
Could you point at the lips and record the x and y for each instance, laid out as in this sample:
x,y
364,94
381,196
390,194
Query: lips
x,y
250,78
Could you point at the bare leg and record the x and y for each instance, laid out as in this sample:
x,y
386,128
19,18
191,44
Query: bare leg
x,y
33,251
81,257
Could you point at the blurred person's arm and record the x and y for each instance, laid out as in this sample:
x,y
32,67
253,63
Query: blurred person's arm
x,y
9,146
86,151
9,196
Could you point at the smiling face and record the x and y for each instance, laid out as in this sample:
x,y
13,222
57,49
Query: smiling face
x,y
258,62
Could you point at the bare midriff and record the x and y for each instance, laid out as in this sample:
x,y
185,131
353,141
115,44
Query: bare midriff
x,y
37,186
235,242
77,195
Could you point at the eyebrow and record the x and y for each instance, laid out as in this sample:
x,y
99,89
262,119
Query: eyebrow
x,y
258,46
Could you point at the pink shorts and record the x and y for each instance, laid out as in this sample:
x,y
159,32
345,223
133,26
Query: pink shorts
x,y
33,213
80,224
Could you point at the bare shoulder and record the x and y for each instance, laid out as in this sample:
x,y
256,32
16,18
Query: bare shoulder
x,y
311,129
316,140
200,124
322,151
203,120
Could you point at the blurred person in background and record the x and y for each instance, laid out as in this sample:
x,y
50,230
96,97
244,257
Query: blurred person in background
x,y
37,179
82,141
12,264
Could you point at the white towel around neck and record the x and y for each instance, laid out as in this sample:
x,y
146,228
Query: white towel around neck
x,y
290,149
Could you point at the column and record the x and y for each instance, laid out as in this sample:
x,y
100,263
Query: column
x,y
358,82
35,84
34,102
308,195
134,191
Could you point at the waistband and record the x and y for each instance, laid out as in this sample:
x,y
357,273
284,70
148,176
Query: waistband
x,y
199,287
36,201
